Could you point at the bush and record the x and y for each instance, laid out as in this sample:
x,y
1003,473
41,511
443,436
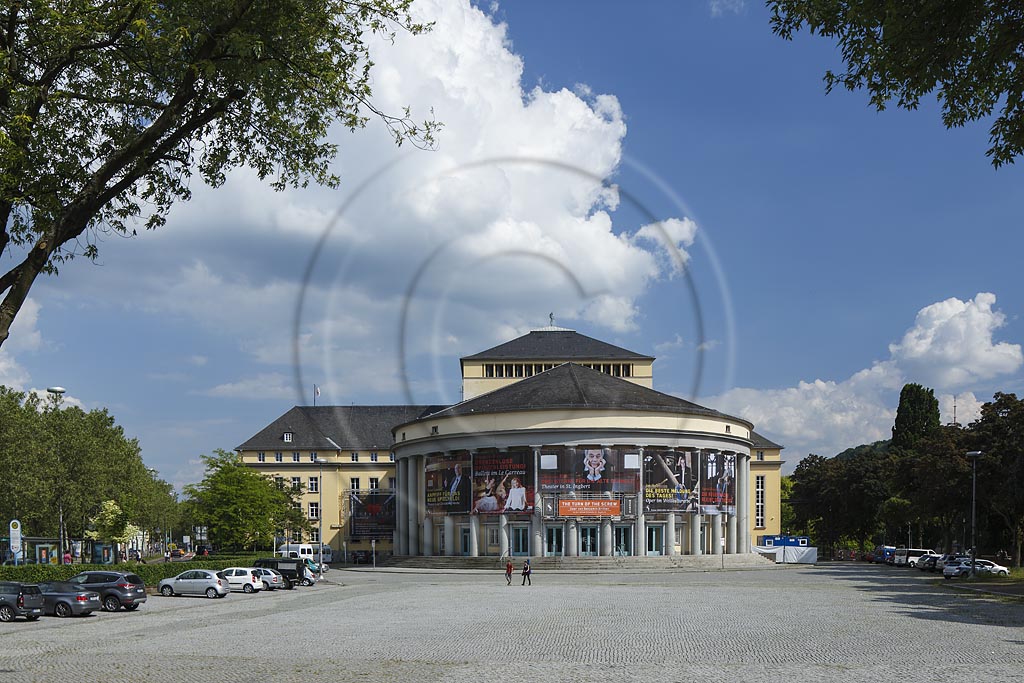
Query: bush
x,y
151,573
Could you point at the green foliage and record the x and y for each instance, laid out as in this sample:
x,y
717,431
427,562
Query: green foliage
x,y
916,416
151,573
241,507
970,51
107,109
999,433
111,524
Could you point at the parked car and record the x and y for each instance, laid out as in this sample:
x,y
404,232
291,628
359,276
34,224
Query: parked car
x,y
948,558
963,568
272,579
289,568
245,579
990,567
63,599
177,552
195,582
116,589
927,562
20,600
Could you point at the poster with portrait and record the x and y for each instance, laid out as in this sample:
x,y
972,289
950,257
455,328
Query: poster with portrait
x,y
449,486
718,483
671,481
589,470
502,482
371,514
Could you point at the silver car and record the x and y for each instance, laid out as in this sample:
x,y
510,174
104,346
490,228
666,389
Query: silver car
x,y
63,599
195,582
272,579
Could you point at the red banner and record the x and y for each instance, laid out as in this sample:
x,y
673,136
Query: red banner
x,y
589,508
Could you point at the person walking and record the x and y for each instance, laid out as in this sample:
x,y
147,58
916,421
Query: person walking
x,y
526,573
508,571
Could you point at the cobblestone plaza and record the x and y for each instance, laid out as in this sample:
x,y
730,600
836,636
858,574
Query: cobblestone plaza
x,y
843,622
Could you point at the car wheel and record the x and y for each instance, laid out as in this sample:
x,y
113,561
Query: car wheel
x,y
211,592
132,607
166,591
111,603
247,588
307,582
62,609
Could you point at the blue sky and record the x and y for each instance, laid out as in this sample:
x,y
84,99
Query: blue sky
x,y
856,250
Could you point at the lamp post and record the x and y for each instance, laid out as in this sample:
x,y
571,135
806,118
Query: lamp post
x,y
56,393
320,514
973,457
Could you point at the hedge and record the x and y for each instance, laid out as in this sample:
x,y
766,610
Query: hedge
x,y
150,573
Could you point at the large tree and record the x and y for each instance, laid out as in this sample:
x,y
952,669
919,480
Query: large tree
x,y
970,51
1000,434
916,416
108,107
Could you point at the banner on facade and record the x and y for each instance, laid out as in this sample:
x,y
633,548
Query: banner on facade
x,y
448,484
718,483
588,507
589,470
371,514
671,481
502,482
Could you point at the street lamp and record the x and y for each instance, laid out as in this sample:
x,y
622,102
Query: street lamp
x,y
56,393
320,514
973,457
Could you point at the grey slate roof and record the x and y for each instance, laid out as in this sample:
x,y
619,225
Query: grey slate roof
x,y
330,428
572,386
759,441
561,345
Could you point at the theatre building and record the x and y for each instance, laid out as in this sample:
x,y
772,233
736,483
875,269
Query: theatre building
x,y
560,447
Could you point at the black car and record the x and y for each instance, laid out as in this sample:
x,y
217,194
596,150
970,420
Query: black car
x,y
116,589
62,599
291,569
20,600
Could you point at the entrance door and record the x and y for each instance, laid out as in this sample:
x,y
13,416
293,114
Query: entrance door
x,y
465,542
623,540
520,540
588,540
440,541
655,543
553,541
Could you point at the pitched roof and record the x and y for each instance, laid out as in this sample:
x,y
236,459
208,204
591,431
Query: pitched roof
x,y
572,386
556,344
335,427
759,441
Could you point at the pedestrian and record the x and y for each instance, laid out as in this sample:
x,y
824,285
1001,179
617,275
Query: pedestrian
x,y
67,557
526,573
508,571
167,556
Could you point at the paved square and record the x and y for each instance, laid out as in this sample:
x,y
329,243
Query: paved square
x,y
844,622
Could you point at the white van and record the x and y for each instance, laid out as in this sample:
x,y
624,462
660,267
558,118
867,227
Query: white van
x,y
305,551
909,556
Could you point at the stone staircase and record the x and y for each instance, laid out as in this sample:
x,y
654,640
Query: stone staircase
x,y
587,564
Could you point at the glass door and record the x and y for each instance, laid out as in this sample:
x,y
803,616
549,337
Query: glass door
x,y
655,543
520,540
465,541
588,540
553,541
623,540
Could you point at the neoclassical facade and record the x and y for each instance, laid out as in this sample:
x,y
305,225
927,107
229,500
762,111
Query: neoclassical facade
x,y
561,447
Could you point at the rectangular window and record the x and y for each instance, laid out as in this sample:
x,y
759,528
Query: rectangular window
x,y
312,456
314,535
489,370
314,485
508,370
279,481
627,370
519,369
287,437
314,510
355,483
391,456
538,368
261,457
433,429
355,457
391,483
728,429
296,482
760,455
759,501
296,457
492,536
297,536
278,457
373,456
374,483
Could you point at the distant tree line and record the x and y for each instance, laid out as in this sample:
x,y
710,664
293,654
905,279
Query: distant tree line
x,y
917,486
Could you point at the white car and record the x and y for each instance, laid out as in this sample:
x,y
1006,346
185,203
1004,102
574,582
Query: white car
x,y
245,579
272,579
963,568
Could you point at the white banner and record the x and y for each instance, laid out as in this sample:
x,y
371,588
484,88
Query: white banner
x,y
16,539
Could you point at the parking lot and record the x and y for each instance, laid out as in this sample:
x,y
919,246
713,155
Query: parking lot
x,y
850,622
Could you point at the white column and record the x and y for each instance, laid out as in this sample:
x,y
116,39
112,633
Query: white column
x,y
606,537
537,524
695,547
474,536
571,542
428,536
730,535
640,542
670,534
411,523
402,510
450,542
503,530
716,534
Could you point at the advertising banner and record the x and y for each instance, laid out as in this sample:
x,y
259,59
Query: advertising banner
x,y
589,470
671,481
15,529
571,507
448,484
503,482
102,553
371,514
46,553
718,483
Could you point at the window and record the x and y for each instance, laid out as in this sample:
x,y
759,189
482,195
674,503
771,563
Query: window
x,y
760,455
355,457
492,535
489,370
403,439
296,482
391,482
373,456
312,456
314,485
433,429
728,429
759,501
279,481
314,535
355,483
627,370
297,506
297,536
287,437
278,457
314,510
391,456
261,457
295,456
374,483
